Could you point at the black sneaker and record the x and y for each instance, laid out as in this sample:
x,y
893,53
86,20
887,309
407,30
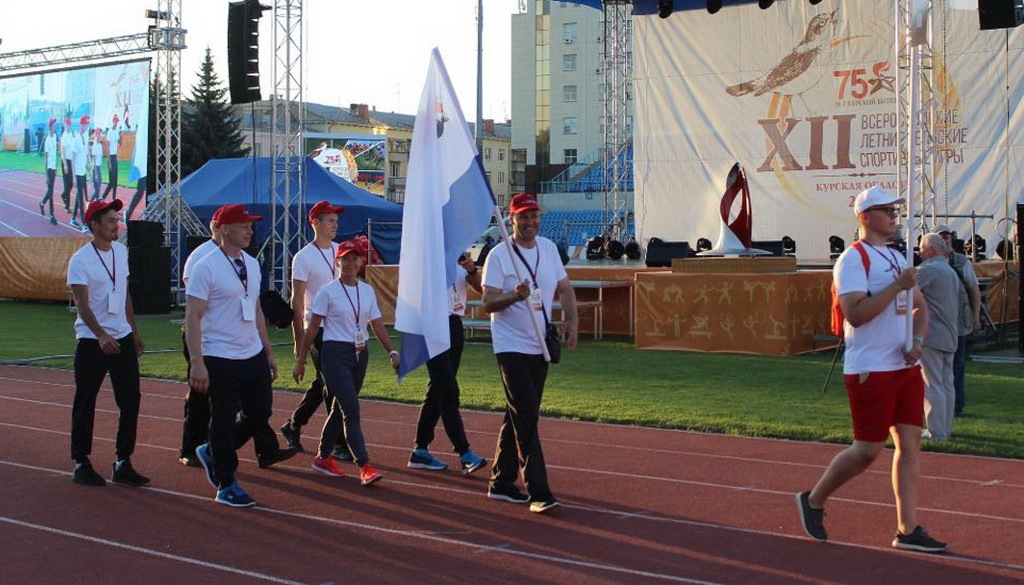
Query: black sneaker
x,y
509,494
918,540
811,519
86,475
189,461
342,454
293,436
266,460
125,474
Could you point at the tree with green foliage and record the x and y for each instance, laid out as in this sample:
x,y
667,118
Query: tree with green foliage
x,y
209,129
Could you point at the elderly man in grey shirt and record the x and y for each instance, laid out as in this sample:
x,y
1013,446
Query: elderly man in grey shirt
x,y
941,289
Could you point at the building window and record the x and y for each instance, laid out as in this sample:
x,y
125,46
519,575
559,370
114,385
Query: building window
x,y
396,168
569,62
487,153
488,173
501,177
501,155
569,154
569,32
570,125
568,93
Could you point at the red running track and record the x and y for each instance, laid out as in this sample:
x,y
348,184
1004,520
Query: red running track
x,y
20,194
641,506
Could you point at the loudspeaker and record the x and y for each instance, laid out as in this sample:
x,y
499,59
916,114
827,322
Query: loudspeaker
x,y
244,51
660,253
193,242
149,279
149,234
773,246
998,14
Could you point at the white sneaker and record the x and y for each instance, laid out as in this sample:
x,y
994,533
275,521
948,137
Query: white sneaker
x,y
926,434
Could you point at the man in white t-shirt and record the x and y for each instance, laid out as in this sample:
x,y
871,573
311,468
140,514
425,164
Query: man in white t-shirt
x,y
79,156
231,359
108,343
883,380
114,142
67,166
50,151
441,401
313,267
519,301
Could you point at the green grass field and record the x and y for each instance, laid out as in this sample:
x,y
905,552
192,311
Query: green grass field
x,y
35,163
608,381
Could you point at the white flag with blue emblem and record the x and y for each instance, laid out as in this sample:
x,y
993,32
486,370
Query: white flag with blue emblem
x,y
448,205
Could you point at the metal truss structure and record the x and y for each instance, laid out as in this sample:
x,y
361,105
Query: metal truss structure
x,y
617,82
288,191
167,38
917,104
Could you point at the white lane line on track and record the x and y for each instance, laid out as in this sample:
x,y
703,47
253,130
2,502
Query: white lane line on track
x,y
673,452
502,548
150,552
620,514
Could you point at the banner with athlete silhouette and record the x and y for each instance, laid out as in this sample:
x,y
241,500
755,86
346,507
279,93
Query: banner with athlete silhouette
x,y
805,98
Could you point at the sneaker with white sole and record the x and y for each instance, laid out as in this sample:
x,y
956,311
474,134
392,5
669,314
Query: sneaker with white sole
x,y
812,520
543,505
471,462
327,466
422,459
918,540
234,496
369,476
510,494
206,460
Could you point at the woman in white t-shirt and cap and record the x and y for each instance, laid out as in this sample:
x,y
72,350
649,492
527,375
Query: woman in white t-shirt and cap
x,y
345,307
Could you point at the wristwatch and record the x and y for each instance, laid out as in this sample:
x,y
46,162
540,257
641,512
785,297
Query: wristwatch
x,y
919,340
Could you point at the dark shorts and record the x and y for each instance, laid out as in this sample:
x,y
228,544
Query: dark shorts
x,y
883,400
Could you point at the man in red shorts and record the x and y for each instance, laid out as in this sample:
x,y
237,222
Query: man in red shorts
x,y
883,380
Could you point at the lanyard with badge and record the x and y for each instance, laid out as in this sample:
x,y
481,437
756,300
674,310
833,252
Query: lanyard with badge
x,y
360,336
238,266
330,266
116,298
893,262
536,303
458,300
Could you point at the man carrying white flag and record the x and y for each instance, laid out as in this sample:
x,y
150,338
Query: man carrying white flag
x,y
448,205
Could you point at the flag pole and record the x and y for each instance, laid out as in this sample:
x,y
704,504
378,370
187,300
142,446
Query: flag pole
x,y
519,277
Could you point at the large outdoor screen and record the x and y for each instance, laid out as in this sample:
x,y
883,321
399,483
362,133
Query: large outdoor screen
x,y
69,137
360,160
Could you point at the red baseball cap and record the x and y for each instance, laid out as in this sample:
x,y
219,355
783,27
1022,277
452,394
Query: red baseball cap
x,y
345,248
324,207
116,118
99,206
229,214
67,121
523,202
53,121
84,120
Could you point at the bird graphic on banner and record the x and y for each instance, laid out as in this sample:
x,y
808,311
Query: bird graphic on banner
x,y
788,77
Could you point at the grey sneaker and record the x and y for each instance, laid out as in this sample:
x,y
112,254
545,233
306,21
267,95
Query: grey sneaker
x,y
918,540
812,520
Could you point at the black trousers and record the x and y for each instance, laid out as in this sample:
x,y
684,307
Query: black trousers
x,y
316,394
442,398
112,175
140,191
196,422
69,180
80,195
344,371
51,176
91,366
236,385
523,376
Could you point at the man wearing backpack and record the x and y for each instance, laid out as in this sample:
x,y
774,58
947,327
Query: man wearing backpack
x,y
883,381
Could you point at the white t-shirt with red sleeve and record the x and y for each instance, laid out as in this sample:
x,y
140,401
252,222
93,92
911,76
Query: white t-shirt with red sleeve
x,y
106,275
878,345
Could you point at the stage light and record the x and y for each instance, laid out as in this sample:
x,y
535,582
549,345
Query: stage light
x,y
836,246
714,6
632,249
703,245
788,246
595,248
665,8
615,250
765,4
1005,249
975,247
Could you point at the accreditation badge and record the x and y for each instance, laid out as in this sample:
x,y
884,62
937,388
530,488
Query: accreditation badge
x,y
901,302
116,301
248,309
535,301
360,340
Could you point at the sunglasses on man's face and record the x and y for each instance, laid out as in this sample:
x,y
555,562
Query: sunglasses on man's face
x,y
886,210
